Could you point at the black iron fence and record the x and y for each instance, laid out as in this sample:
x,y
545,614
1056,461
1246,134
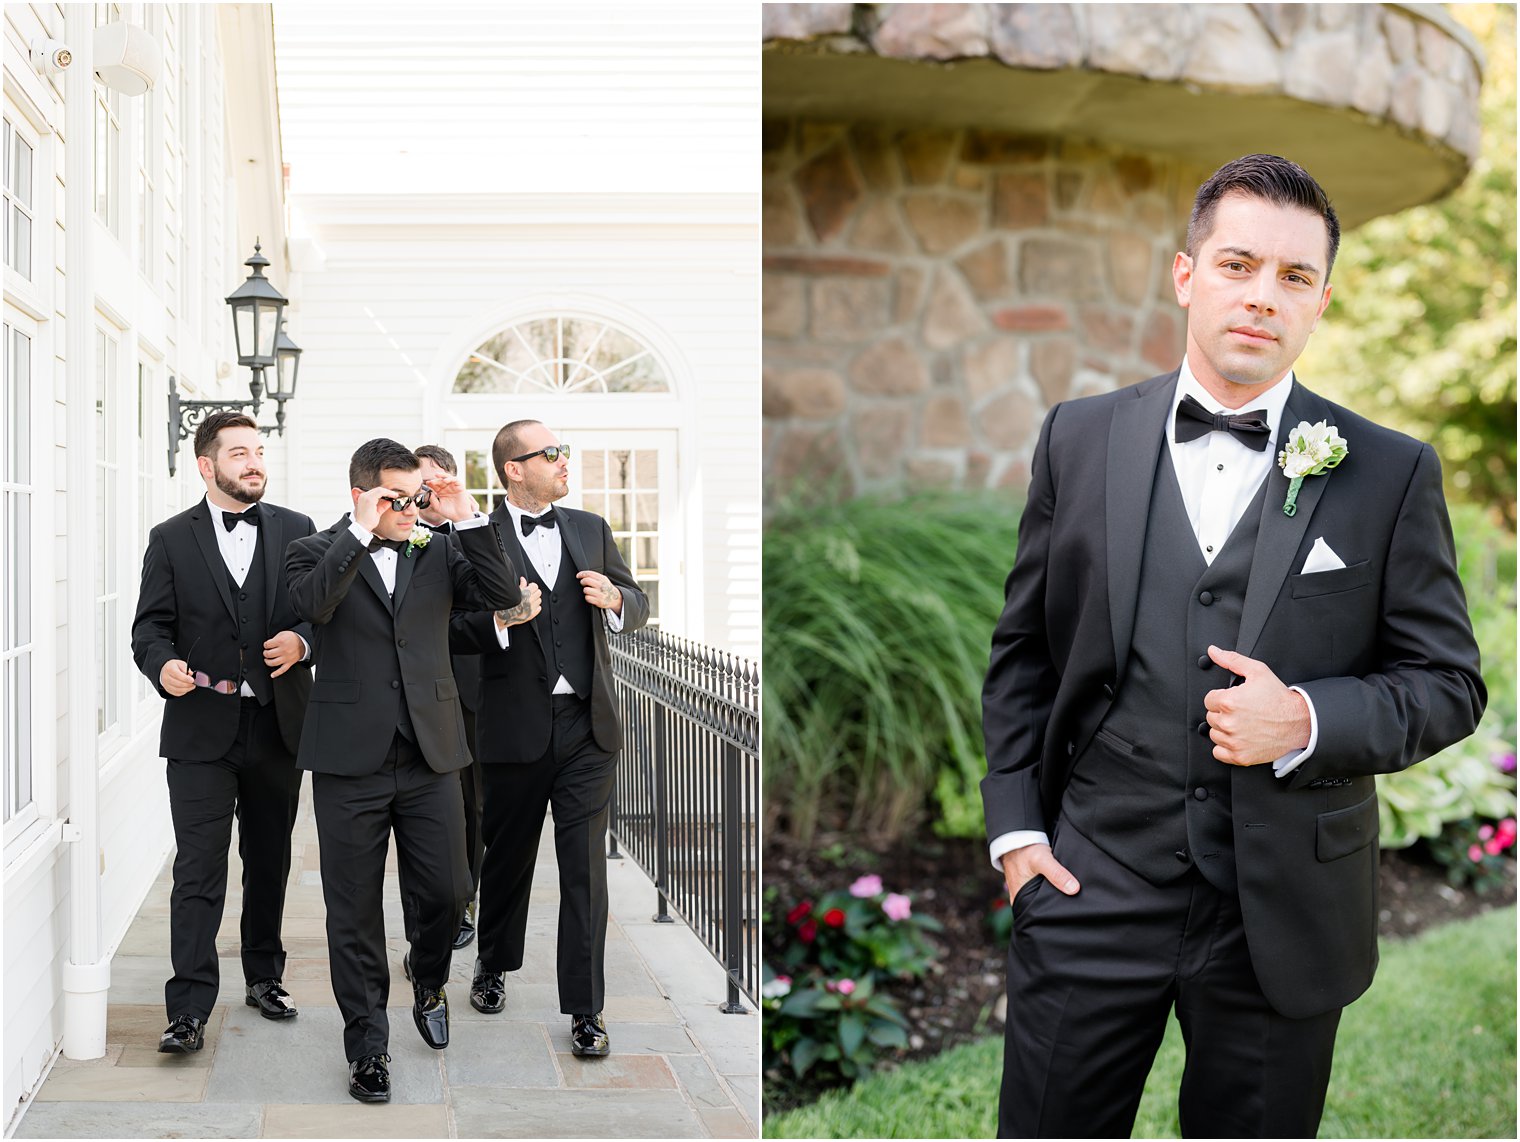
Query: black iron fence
x,y
687,803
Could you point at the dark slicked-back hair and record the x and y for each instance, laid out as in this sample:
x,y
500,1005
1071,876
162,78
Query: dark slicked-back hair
x,y
1269,177
373,456
439,455
508,443
205,436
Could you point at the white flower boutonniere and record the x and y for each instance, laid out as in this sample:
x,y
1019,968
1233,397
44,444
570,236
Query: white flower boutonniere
x,y
1312,450
419,539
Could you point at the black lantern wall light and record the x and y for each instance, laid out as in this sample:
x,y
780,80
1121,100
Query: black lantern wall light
x,y
258,324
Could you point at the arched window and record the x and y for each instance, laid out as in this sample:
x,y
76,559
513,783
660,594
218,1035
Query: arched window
x,y
562,354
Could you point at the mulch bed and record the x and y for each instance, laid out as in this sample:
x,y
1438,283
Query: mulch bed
x,y
954,882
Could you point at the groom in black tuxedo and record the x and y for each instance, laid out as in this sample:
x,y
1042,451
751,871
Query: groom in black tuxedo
x,y
1191,691
216,635
548,727
383,734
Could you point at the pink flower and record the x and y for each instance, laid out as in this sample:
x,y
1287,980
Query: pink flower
x,y
1493,848
868,885
845,987
1475,854
897,906
1485,832
1506,831
1505,762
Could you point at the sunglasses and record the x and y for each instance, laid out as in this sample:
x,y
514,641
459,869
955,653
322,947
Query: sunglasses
x,y
551,453
422,499
203,680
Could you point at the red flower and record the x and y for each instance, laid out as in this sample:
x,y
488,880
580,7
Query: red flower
x,y
800,913
809,931
834,918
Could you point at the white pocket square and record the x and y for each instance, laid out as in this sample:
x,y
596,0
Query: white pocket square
x,y
1321,558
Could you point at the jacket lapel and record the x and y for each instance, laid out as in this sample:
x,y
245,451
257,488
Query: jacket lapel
x,y
1137,431
567,526
272,540
371,575
505,532
201,523
1281,535
404,568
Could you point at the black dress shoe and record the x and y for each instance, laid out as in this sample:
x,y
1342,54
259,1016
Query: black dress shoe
x,y
430,1012
488,991
272,1000
369,1078
466,935
185,1033
406,966
588,1036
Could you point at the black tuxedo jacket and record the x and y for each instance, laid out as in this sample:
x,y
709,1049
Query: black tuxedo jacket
x,y
513,721
1382,646
362,636
186,600
466,666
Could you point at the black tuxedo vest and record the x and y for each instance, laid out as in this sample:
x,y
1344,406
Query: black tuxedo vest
x,y
564,623
249,601
1148,790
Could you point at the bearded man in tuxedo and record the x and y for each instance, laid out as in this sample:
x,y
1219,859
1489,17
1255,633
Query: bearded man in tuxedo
x,y
548,728
217,636
1204,660
384,738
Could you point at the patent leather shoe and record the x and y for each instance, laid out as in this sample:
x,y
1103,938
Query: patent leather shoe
x,y
184,1034
588,1036
488,991
272,1000
466,934
369,1078
430,1012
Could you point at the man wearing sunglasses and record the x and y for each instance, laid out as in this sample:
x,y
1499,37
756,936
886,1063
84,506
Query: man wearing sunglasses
x,y
384,737
548,728
217,636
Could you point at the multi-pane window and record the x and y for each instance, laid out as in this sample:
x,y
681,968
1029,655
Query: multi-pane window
x,y
622,485
108,618
562,354
108,139
19,201
16,630
149,119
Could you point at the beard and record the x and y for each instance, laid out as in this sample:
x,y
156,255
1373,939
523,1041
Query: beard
x,y
230,487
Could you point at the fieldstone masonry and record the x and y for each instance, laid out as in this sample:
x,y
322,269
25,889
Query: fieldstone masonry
x,y
931,290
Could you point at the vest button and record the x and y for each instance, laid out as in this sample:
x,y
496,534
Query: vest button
x,y
401,642
245,618
1181,854
395,685
245,646
1203,729
1206,598
243,596
1201,793
1108,691
1204,662
1071,749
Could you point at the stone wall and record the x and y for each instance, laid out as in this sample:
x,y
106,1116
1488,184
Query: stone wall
x,y
929,294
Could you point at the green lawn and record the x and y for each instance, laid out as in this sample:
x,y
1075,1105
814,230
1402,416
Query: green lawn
x,y
1429,1052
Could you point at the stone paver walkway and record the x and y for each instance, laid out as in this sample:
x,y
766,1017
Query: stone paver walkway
x,y
680,1068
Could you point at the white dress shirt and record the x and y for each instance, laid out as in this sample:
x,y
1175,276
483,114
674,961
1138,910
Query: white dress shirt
x,y
1219,477
543,549
237,547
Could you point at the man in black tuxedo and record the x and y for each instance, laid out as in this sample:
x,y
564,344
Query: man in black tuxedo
x,y
216,635
1192,687
548,728
436,460
384,737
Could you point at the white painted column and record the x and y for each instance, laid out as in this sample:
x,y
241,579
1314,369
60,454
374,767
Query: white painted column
x,y
87,972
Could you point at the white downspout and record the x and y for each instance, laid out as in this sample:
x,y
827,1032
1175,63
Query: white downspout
x,y
87,972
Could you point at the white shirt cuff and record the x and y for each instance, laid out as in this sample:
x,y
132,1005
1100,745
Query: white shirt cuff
x,y
614,620
360,534
477,520
305,648
1007,842
1288,762
503,634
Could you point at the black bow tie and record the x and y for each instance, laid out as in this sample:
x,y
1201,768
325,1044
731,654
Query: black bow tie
x,y
231,519
377,544
529,522
1250,428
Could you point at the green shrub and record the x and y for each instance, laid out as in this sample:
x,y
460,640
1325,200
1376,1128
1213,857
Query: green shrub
x,y
878,620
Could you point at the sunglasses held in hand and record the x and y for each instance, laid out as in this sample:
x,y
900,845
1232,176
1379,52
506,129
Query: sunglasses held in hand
x,y
204,681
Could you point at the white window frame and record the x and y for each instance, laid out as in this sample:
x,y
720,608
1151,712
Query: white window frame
x,y
106,187
16,131
112,508
21,562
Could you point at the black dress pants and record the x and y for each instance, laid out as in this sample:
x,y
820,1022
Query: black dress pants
x,y
258,784
474,802
355,817
575,777
1092,979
